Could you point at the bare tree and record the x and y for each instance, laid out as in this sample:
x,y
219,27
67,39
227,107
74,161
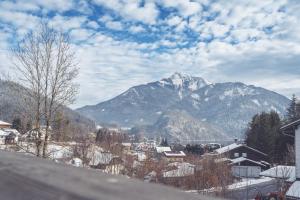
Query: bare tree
x,y
46,67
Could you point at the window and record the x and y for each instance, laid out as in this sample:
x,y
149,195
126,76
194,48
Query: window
x,y
236,155
244,155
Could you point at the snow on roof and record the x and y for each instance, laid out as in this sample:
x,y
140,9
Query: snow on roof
x,y
294,190
99,157
234,146
281,171
172,153
4,123
178,164
294,123
162,149
126,144
241,159
228,148
247,182
11,130
183,169
222,160
3,133
7,131
58,151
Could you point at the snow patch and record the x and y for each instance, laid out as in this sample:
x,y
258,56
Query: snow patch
x,y
159,112
256,102
195,96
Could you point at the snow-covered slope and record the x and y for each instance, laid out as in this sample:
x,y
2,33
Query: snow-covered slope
x,y
224,106
230,106
179,126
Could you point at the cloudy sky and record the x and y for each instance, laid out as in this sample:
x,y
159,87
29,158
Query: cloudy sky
x,y
122,43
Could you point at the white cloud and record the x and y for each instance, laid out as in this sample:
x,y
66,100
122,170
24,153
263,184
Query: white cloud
x,y
173,21
110,64
115,25
56,5
80,34
185,7
93,24
136,29
67,23
132,10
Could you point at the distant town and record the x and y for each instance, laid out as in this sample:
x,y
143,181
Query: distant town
x,y
232,171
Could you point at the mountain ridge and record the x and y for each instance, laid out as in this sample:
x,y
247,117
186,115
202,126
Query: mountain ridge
x,y
13,104
226,106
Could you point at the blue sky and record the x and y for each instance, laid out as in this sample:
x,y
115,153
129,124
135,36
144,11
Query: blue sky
x,y
122,43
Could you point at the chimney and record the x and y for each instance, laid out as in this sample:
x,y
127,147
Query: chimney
x,y
235,140
297,152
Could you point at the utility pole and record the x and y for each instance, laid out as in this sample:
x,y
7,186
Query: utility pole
x,y
247,183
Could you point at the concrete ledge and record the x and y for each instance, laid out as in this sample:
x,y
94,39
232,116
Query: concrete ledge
x,y
25,177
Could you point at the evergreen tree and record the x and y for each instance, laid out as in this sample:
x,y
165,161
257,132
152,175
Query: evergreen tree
x,y
293,111
263,134
17,124
164,142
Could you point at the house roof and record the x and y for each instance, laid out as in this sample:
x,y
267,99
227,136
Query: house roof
x,y
4,123
183,169
294,190
162,149
235,146
281,171
174,154
291,125
8,131
3,133
242,159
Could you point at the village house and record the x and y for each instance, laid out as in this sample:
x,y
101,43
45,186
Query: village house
x,y
32,134
286,175
7,134
171,156
106,161
293,129
245,161
4,124
126,147
180,174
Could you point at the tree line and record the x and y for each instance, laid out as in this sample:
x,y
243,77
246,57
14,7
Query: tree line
x,y
264,133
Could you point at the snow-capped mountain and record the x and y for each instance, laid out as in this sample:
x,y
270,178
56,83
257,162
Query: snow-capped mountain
x,y
224,106
143,104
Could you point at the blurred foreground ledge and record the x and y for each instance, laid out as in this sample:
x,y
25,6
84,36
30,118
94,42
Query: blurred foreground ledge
x,y
24,177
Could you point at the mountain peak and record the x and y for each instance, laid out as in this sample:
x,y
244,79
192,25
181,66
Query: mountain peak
x,y
181,80
180,75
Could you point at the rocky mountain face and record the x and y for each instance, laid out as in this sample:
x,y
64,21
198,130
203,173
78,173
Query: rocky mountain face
x,y
143,104
14,103
222,108
181,127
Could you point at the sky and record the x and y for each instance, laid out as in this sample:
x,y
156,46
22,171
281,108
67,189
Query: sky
x,y
123,43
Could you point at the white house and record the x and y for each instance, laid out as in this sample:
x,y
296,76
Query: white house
x,y
9,136
294,130
162,149
183,169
